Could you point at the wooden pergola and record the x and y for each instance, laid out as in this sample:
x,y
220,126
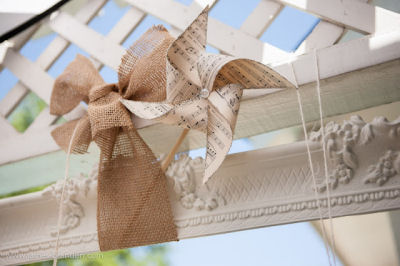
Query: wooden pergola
x,y
359,77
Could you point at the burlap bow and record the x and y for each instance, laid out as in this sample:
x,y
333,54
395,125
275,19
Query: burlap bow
x,y
204,91
133,206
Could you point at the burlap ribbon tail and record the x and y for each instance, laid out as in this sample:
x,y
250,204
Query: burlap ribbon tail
x,y
133,206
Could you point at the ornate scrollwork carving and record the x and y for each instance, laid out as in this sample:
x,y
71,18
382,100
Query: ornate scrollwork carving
x,y
72,209
340,141
387,167
188,187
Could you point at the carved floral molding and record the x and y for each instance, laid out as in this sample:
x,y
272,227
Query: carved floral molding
x,y
341,140
252,189
72,210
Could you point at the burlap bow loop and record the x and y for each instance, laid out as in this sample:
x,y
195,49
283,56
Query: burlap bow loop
x,y
81,82
204,90
133,205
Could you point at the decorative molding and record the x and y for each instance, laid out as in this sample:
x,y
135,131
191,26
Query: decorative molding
x,y
290,207
251,189
341,140
387,167
72,210
48,245
188,186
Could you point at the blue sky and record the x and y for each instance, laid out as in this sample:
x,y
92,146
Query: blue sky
x,y
294,244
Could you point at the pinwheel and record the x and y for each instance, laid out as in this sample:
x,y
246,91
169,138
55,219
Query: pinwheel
x,y
204,91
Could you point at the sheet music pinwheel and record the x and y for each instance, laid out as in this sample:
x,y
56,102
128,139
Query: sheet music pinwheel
x,y
204,90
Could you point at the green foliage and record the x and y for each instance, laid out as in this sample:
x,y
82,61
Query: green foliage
x,y
142,256
26,112
25,191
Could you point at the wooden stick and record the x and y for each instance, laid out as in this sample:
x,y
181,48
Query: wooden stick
x,y
171,154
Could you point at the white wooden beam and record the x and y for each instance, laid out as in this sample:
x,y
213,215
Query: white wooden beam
x,y
262,16
353,14
372,86
277,190
17,41
7,130
47,57
29,74
129,21
117,34
219,35
100,47
345,57
323,35
12,99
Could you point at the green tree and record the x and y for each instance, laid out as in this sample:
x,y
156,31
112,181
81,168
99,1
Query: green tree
x,y
24,114
143,256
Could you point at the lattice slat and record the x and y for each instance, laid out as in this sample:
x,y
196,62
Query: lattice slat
x,y
29,74
106,50
262,16
220,35
48,56
353,14
117,34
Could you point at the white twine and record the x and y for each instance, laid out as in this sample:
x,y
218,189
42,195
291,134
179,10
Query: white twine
x,y
60,212
310,162
333,245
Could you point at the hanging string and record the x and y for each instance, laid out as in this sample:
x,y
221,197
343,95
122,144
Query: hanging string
x,y
324,235
332,236
60,212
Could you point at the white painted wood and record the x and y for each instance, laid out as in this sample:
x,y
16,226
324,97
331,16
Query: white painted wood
x,y
277,190
126,25
371,87
262,16
12,99
122,29
42,121
25,146
48,168
17,41
219,35
323,35
100,47
117,34
346,93
345,57
47,57
7,130
30,74
350,13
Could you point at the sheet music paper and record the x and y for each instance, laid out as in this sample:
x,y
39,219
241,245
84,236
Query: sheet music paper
x,y
204,91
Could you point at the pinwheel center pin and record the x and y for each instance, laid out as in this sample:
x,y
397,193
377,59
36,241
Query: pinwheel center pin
x,y
204,93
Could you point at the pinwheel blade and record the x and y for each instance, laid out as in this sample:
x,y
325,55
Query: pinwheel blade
x,y
219,141
191,114
147,110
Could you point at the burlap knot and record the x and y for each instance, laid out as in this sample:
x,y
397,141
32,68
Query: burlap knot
x,y
133,207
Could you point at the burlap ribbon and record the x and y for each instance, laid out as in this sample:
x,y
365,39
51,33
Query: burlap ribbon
x,y
204,91
133,207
